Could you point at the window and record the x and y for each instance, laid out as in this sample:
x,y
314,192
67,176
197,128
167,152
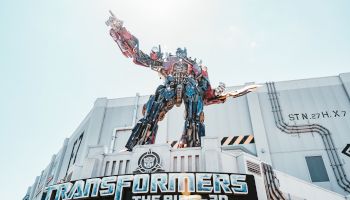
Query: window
x,y
78,142
74,153
317,170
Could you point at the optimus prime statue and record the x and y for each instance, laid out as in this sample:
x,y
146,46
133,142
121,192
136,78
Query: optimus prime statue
x,y
186,80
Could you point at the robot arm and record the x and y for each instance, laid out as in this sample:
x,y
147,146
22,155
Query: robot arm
x,y
219,95
129,45
210,96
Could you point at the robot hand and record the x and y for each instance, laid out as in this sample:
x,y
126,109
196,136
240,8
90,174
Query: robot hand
x,y
220,89
243,91
115,23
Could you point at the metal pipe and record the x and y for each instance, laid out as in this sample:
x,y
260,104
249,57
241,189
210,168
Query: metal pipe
x,y
291,129
274,186
271,187
325,140
328,140
137,98
324,132
271,194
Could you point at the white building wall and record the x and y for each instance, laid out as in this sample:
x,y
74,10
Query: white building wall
x,y
311,96
111,120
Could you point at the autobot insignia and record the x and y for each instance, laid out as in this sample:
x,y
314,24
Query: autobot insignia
x,y
149,162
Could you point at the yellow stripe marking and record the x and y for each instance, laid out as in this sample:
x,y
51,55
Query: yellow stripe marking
x,y
228,140
238,139
249,139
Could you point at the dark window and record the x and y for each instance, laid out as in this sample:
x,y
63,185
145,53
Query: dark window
x,y
74,153
79,142
42,197
317,170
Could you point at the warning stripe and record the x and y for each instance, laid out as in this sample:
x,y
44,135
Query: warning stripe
x,y
244,139
231,140
241,139
250,139
223,140
228,140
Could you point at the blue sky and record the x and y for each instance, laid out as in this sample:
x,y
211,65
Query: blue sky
x,y
56,58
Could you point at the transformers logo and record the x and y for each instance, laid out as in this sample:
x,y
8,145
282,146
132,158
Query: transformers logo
x,y
149,162
158,186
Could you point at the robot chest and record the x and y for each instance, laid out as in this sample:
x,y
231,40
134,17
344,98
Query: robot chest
x,y
180,71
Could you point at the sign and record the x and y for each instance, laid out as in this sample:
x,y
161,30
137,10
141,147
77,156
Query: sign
x,y
346,150
331,114
149,162
159,186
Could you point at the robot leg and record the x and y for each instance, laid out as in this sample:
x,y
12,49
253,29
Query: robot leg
x,y
146,128
141,129
194,123
199,121
135,134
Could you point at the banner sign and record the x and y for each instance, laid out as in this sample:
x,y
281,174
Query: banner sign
x,y
159,186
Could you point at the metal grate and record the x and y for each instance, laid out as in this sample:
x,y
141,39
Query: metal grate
x,y
197,167
253,167
185,163
175,164
120,167
106,168
113,167
127,166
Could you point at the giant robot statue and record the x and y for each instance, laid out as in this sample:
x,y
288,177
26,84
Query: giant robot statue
x,y
186,80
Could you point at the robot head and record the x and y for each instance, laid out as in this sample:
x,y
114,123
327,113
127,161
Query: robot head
x,y
181,53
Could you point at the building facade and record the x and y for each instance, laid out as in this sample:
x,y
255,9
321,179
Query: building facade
x,y
292,136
